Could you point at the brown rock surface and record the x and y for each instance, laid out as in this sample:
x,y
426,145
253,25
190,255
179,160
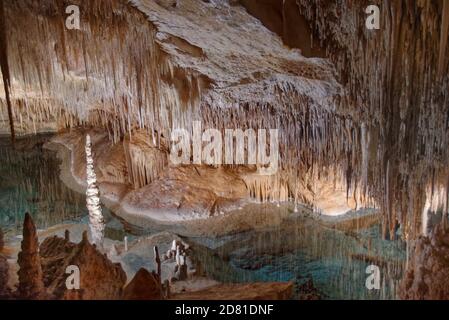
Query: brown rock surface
x,y
144,286
31,285
427,275
250,291
99,278
2,241
4,275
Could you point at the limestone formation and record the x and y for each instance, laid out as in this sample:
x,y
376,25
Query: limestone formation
x,y
427,275
4,276
144,286
181,265
31,285
2,241
244,291
99,277
157,261
362,112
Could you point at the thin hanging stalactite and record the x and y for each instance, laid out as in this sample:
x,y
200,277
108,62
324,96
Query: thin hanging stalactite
x,y
5,68
443,40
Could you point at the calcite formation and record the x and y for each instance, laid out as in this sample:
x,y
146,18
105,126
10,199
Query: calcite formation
x,y
246,291
226,76
31,285
364,110
427,273
144,286
4,276
2,241
99,277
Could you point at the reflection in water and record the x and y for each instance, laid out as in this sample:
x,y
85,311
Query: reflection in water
x,y
29,182
301,249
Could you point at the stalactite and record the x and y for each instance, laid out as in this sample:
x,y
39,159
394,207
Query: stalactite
x,y
5,68
408,129
138,73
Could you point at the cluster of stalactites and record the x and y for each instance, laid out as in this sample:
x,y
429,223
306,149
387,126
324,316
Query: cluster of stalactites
x,y
109,73
399,74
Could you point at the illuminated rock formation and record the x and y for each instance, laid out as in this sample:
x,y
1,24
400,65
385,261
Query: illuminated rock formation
x,y
427,275
96,220
31,285
369,119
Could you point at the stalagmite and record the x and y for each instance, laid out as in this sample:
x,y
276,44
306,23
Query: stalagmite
x,y
96,220
181,266
31,285
67,235
157,260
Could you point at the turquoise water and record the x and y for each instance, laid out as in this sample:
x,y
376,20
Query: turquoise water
x,y
29,182
298,250
303,249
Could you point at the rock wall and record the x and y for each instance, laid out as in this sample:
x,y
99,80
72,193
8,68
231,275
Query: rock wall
x,y
427,275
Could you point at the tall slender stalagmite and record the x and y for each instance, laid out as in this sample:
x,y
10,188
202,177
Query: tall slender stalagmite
x,y
96,221
31,285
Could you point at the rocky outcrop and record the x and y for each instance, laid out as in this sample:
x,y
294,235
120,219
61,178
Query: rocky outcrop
x,y
427,275
4,276
31,284
2,241
251,291
308,291
144,286
99,278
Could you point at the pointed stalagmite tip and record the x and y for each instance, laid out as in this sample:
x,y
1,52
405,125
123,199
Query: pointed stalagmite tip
x,y
28,224
27,218
85,238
